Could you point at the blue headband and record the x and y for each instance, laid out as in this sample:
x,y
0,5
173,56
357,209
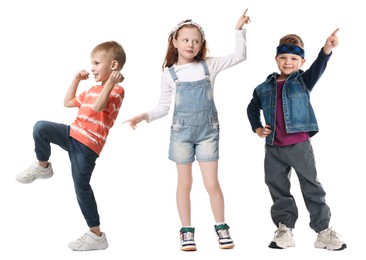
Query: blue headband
x,y
293,49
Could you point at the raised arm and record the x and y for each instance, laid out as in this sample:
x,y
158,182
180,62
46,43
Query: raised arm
x,y
317,68
70,95
102,100
331,42
244,19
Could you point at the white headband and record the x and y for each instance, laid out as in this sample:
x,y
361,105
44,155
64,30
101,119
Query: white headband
x,y
186,22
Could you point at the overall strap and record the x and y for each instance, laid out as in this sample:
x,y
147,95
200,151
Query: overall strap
x,y
204,64
173,74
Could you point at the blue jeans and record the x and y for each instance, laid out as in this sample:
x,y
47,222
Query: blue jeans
x,y
82,161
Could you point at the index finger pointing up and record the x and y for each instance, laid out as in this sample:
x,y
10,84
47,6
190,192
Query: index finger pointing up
x,y
245,12
335,32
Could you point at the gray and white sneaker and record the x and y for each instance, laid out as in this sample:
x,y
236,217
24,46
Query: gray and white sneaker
x,y
282,238
223,236
35,171
89,242
329,239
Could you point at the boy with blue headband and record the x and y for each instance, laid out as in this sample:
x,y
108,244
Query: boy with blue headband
x,y
290,122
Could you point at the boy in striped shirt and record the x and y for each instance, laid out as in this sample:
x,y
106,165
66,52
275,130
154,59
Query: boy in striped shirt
x,y
85,137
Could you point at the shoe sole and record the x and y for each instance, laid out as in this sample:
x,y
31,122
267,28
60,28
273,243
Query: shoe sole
x,y
275,246
27,181
83,250
189,248
227,246
325,246
100,246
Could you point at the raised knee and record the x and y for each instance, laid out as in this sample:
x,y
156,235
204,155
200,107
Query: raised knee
x,y
39,125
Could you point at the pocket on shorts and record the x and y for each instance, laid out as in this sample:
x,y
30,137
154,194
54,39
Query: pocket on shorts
x,y
176,125
215,123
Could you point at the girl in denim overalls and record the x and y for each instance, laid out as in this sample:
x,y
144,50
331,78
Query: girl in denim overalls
x,y
189,75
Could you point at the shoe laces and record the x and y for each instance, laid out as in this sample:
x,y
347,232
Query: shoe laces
x,y
331,233
223,233
281,230
187,236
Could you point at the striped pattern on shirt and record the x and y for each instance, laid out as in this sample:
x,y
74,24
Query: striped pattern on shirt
x,y
90,127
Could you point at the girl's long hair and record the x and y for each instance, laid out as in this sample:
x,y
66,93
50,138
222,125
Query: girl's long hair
x,y
171,56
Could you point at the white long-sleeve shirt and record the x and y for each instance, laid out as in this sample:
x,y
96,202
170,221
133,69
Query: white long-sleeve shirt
x,y
194,72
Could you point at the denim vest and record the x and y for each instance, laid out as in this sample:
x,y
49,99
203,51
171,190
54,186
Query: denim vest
x,y
298,113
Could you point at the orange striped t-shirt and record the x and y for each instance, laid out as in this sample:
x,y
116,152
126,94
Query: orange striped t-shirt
x,y
90,127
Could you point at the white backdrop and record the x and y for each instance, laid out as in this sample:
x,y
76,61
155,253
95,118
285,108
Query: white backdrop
x,y
44,43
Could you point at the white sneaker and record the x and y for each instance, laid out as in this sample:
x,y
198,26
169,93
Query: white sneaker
x,y
89,241
329,239
282,238
35,171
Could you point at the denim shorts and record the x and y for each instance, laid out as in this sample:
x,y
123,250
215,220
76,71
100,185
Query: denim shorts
x,y
194,141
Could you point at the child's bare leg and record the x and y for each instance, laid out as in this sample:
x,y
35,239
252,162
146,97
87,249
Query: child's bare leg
x,y
210,178
183,193
96,230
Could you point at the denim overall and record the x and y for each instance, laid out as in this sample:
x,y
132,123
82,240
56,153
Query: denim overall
x,y
195,126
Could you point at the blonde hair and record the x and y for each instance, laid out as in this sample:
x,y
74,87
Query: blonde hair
x,y
292,39
112,50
